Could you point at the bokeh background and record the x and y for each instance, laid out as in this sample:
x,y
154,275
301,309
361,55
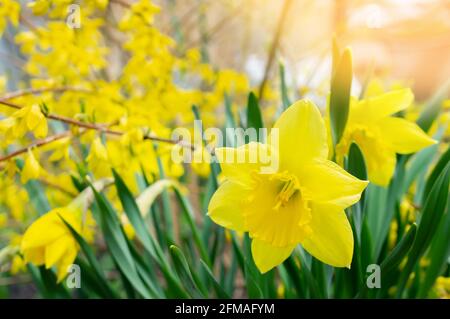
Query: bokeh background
x,y
407,40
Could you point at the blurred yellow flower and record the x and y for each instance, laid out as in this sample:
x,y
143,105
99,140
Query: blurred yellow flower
x,y
31,168
49,242
17,265
3,219
30,118
380,135
442,287
201,162
302,203
98,158
9,10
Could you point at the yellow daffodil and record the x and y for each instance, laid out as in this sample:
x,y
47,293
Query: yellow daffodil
x,y
301,203
31,169
49,242
380,135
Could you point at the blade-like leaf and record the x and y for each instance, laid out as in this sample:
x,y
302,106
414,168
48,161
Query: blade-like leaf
x,y
340,96
254,117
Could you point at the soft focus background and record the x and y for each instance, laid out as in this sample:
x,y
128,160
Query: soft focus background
x,y
407,40
403,39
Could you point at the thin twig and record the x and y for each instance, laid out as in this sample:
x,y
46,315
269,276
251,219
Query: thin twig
x,y
98,127
217,27
121,3
57,187
37,143
31,91
275,42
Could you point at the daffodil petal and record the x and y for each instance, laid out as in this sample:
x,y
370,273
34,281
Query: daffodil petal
x,y
65,262
239,163
56,250
331,240
302,134
226,205
267,256
328,182
42,232
405,137
49,228
35,256
380,161
374,108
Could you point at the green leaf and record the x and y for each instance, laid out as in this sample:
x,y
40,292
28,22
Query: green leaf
x,y
117,244
134,214
400,251
188,276
433,107
294,273
167,209
394,259
440,165
340,96
355,164
189,215
106,289
254,117
438,255
283,87
233,137
418,164
432,213
220,292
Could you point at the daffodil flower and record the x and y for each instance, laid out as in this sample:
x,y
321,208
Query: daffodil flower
x,y
380,135
49,242
301,203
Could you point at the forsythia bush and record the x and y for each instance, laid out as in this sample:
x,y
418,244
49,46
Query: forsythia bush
x,y
87,175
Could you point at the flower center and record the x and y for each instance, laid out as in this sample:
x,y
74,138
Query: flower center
x,y
289,187
279,210
354,133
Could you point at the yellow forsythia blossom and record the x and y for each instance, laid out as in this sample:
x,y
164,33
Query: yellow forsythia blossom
x,y
302,202
3,219
17,265
27,119
442,287
31,169
49,242
9,10
380,135
202,162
